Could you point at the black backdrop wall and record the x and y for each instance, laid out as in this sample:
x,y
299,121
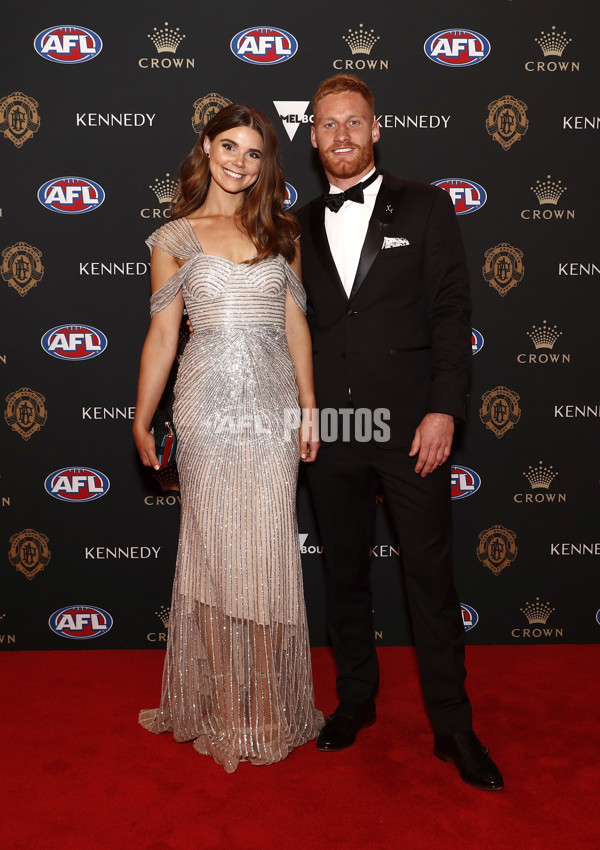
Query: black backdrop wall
x,y
498,100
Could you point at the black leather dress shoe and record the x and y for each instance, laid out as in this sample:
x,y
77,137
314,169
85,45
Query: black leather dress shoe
x,y
342,727
466,753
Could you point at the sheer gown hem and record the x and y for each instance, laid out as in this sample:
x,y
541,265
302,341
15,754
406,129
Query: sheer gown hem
x,y
262,746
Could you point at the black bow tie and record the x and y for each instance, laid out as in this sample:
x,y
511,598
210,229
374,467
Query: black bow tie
x,y
336,200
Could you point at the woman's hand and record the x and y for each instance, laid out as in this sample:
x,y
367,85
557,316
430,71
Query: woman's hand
x,y
146,447
309,435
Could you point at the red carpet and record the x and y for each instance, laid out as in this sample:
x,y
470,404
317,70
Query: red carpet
x,y
78,772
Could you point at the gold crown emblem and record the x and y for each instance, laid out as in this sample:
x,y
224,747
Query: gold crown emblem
x,y
360,40
164,189
548,191
553,43
166,40
168,479
544,335
163,614
540,476
537,612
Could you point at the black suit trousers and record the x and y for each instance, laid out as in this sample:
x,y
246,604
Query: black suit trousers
x,y
343,482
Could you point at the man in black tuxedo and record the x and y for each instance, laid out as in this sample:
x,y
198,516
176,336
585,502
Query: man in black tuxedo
x,y
385,272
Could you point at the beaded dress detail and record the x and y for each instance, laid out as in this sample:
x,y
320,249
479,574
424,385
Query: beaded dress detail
x,y
237,679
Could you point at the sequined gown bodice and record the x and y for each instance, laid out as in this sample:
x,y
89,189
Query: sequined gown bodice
x,y
237,678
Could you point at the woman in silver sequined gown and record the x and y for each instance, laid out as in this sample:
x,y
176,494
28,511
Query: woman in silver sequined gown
x,y
237,679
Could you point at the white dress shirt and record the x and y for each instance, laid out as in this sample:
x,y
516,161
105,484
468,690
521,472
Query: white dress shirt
x,y
346,231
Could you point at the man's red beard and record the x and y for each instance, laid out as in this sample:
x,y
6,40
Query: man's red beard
x,y
349,165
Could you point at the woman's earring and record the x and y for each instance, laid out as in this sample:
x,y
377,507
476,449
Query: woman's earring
x,y
207,155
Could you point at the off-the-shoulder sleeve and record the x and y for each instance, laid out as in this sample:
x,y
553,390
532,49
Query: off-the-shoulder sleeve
x,y
176,238
295,285
167,292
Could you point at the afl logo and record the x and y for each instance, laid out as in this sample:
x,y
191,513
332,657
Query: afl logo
x,y
463,482
71,195
291,196
77,484
80,622
74,342
470,617
477,341
457,48
467,197
264,45
68,45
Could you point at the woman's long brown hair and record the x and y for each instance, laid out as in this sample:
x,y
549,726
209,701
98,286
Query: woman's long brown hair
x,y
262,216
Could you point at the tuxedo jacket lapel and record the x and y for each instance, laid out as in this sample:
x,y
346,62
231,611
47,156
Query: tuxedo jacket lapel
x,y
319,235
383,212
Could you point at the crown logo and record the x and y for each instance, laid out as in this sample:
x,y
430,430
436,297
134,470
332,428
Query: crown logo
x,y
168,479
540,476
548,191
361,40
544,335
553,43
166,40
164,189
163,615
537,612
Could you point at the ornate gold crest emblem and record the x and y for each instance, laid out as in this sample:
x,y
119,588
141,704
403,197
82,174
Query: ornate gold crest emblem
x,y
29,552
503,267
500,410
168,479
22,267
19,118
497,548
506,121
206,108
25,412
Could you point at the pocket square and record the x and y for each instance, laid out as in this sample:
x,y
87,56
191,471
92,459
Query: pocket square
x,y
394,241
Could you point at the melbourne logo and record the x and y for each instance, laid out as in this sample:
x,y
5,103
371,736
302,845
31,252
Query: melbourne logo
x,y
467,196
264,45
497,548
68,45
29,552
503,268
361,42
544,337
477,341
71,195
291,196
540,478
470,617
506,121
19,118
25,412
206,108
164,189
74,342
22,267
166,41
548,192
500,410
463,482
292,114
77,484
80,622
553,45
457,48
